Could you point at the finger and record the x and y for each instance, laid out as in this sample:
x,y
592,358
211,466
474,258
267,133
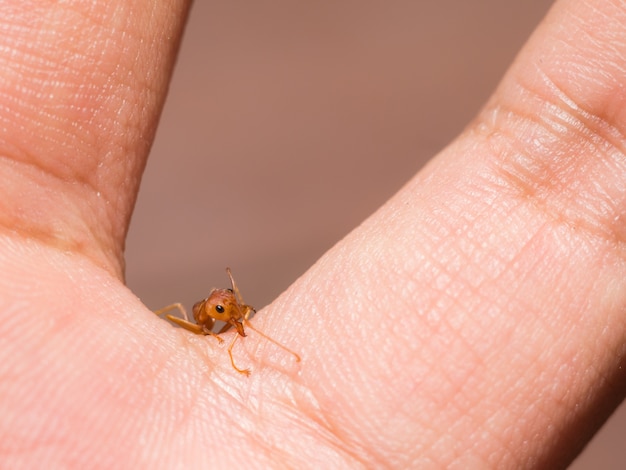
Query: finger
x,y
478,317
80,94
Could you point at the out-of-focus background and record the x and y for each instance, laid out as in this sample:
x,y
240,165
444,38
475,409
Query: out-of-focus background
x,y
289,122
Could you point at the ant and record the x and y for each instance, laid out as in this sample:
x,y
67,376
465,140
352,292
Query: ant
x,y
225,305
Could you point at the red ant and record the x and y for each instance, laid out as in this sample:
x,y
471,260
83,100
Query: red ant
x,y
225,305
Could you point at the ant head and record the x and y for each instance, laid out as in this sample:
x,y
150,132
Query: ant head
x,y
221,305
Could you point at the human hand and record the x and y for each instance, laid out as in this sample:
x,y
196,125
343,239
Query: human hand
x,y
478,315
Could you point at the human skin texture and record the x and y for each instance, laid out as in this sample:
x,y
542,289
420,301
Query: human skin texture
x,y
478,318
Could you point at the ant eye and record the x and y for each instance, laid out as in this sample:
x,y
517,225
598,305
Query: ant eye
x,y
219,309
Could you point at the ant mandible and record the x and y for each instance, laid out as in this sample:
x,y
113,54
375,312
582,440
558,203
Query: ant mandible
x,y
225,305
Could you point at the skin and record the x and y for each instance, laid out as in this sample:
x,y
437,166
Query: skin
x,y
512,239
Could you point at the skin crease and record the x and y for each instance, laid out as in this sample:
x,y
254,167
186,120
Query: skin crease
x,y
512,240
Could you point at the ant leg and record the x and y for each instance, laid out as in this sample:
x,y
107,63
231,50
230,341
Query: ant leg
x,y
197,329
178,306
219,339
232,361
184,323
272,340
249,309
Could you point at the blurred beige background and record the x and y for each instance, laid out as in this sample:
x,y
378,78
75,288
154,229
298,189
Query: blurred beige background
x,y
289,122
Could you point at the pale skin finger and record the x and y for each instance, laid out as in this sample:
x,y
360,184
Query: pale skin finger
x,y
482,298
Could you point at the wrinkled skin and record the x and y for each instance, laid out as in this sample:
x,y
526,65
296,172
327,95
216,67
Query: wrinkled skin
x,y
512,239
